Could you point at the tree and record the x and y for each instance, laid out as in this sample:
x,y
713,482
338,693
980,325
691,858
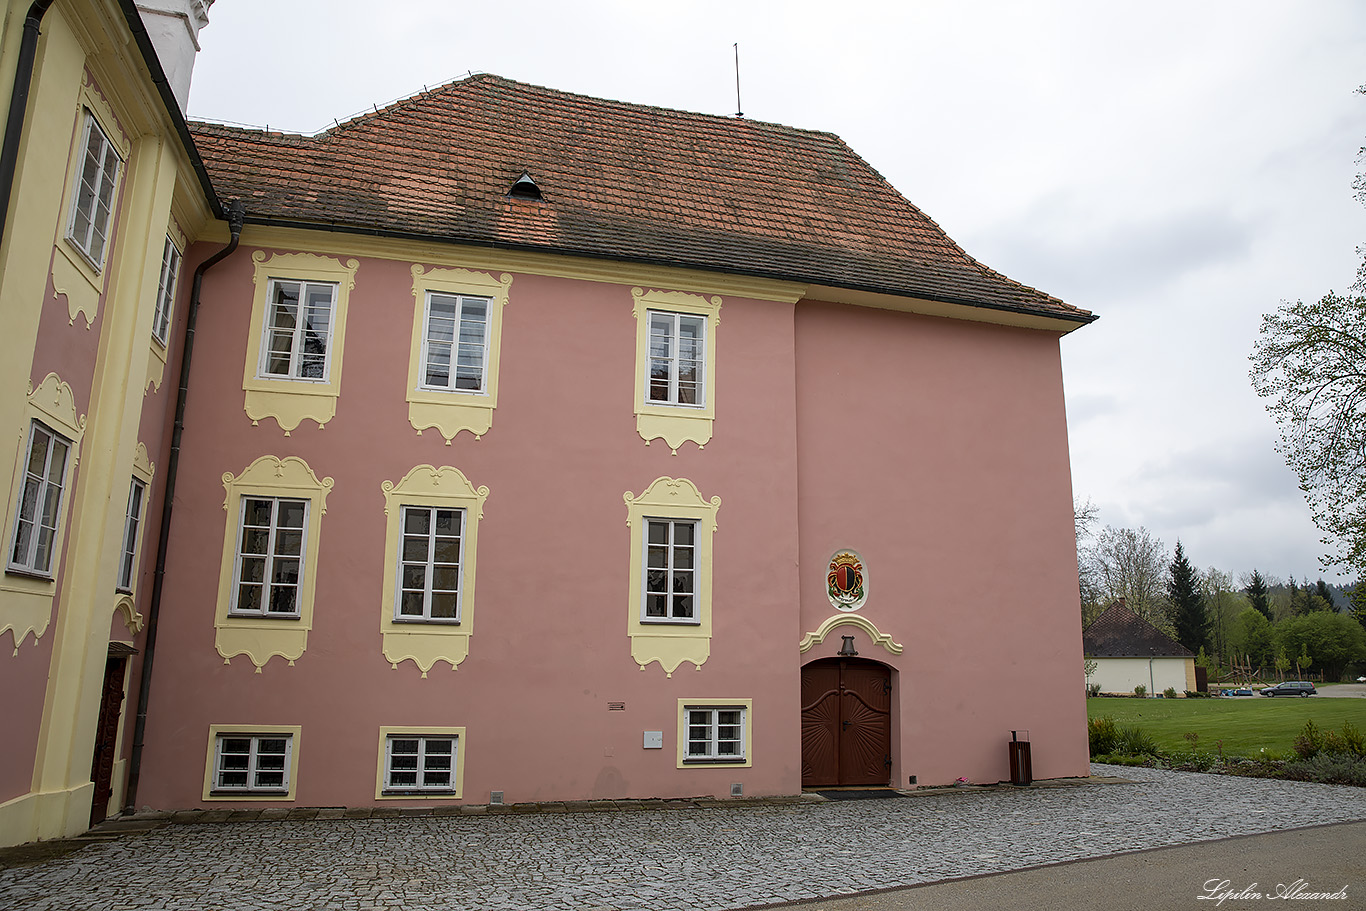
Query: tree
x,y
1084,518
1253,638
1356,598
1130,564
1321,589
1333,640
1309,365
1222,603
1257,593
1187,604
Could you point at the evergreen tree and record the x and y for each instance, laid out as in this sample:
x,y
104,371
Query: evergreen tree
x,y
1187,603
1257,593
1324,592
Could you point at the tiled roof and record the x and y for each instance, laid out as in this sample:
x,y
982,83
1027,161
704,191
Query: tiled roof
x,y
619,181
1120,633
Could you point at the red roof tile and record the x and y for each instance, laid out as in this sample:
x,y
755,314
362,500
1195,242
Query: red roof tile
x,y
620,181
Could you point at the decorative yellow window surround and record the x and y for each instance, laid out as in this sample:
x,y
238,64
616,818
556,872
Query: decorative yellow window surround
x,y
426,642
746,709
457,771
291,732
124,602
289,400
675,424
262,638
74,276
670,643
158,349
885,640
26,604
453,410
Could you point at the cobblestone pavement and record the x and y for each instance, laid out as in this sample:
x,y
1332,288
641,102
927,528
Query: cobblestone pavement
x,y
660,859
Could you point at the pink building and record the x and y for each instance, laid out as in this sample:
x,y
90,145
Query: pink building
x,y
540,447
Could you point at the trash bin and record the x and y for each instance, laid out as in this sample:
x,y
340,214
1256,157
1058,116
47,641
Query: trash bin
x,y
1021,769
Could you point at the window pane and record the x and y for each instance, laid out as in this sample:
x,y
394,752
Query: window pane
x,y
282,600
402,745
249,598
289,543
445,606
655,605
658,532
684,532
656,581
416,521
447,550
448,521
410,605
682,607
258,512
445,578
255,540
414,576
286,572
291,514
414,549
253,569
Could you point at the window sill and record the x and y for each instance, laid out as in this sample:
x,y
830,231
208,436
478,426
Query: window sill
x,y
27,573
424,621
250,792
418,792
123,590
235,615
737,760
669,621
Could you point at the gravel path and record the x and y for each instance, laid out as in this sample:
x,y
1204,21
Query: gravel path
x,y
703,858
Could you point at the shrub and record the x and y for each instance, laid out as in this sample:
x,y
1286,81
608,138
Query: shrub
x,y
1103,735
1352,737
1136,742
1140,691
1329,768
1169,693
1093,689
1309,741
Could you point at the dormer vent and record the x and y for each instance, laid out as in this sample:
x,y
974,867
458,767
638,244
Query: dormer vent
x,y
525,188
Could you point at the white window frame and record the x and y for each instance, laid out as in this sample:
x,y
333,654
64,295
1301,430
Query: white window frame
x,y
297,332
673,359
267,584
27,510
132,519
420,786
86,199
456,345
671,550
711,724
166,285
253,770
429,566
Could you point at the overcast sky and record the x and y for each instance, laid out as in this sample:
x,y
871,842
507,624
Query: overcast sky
x,y
1179,168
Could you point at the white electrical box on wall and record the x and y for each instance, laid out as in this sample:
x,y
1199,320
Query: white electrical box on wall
x,y
654,740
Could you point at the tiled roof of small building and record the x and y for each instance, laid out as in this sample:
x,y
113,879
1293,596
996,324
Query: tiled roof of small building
x,y
618,181
1120,633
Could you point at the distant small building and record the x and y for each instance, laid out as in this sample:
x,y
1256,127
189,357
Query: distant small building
x,y
1129,652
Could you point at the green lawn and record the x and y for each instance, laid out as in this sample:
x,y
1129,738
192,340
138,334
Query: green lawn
x,y
1246,726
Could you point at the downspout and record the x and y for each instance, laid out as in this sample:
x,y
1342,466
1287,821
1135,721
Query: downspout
x,y
18,106
236,215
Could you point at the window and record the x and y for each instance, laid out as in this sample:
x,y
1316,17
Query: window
x,y
93,202
675,364
132,518
272,534
455,342
669,613
677,359
170,268
715,734
40,501
429,574
670,571
298,332
253,763
456,336
270,557
431,548
424,764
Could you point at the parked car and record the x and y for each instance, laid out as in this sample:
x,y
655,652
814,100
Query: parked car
x,y
1291,688
1240,691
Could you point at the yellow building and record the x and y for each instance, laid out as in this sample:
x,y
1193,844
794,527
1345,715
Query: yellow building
x,y
100,192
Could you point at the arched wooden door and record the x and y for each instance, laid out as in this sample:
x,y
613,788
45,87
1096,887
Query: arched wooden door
x,y
846,723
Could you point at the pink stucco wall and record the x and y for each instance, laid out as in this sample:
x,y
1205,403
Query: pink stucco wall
x,y
549,649
937,449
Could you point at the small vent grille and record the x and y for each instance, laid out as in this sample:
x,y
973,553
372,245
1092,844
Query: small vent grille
x,y
495,798
616,706
737,789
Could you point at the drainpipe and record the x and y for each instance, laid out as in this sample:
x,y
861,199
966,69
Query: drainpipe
x,y
18,106
236,215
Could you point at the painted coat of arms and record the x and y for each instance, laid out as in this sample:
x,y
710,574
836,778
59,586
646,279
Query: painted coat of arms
x,y
845,584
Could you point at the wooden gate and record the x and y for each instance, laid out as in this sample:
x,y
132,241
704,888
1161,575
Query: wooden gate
x,y
846,723
106,736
